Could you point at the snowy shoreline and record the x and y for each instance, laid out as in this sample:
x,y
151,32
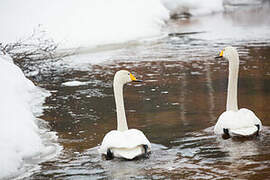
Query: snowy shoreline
x,y
22,136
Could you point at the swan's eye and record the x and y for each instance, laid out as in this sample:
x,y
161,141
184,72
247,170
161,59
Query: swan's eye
x,y
128,73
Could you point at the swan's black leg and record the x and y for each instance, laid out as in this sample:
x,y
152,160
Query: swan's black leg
x,y
226,134
109,155
258,127
226,131
145,147
146,154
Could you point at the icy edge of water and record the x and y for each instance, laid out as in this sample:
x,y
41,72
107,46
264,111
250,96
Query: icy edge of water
x,y
25,140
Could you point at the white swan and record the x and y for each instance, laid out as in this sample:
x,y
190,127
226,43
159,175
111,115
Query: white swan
x,y
235,122
123,142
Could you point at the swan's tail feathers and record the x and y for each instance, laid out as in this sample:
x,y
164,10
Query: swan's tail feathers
x,y
249,131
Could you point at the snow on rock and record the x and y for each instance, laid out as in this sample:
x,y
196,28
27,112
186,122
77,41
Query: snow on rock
x,y
7,57
74,83
19,134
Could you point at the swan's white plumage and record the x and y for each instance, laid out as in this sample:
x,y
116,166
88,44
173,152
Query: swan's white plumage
x,y
126,144
241,122
123,142
246,131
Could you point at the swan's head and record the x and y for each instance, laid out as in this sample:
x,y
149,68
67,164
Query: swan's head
x,y
229,53
124,76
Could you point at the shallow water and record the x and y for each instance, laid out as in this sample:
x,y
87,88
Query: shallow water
x,y
182,94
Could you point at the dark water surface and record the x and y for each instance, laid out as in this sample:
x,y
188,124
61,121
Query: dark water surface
x,y
182,94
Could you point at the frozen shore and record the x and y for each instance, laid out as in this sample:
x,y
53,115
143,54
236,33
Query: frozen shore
x,y
20,136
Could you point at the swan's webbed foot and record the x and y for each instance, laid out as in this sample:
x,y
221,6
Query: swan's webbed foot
x,y
258,129
226,134
109,155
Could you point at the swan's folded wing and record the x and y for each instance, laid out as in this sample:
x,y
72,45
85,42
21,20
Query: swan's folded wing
x,y
248,131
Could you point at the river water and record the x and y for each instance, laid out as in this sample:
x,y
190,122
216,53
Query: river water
x,y
182,94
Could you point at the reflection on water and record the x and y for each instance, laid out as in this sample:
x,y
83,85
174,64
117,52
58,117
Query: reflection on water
x,y
182,94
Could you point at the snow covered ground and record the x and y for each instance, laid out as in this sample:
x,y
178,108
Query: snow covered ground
x,y
80,23
21,138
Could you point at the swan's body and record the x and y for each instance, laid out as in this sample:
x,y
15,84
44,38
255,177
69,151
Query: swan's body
x,y
235,122
123,142
127,144
239,123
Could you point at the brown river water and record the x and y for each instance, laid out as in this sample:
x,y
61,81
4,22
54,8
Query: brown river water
x,y
176,106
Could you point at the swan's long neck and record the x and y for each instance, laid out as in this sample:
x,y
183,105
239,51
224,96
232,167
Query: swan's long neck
x,y
232,104
120,109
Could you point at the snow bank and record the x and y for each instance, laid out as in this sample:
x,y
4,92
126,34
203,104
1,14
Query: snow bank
x,y
81,23
20,137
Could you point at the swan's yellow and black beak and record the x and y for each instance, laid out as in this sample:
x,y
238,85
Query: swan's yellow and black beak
x,y
220,55
133,78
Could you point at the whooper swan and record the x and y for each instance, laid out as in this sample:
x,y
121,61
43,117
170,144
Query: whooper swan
x,y
234,121
123,142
